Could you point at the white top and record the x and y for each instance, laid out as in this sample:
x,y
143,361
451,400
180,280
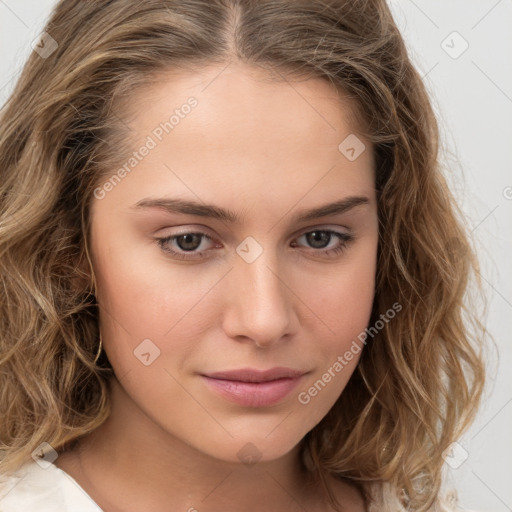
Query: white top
x,y
33,488
49,489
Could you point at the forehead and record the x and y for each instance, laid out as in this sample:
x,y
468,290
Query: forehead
x,y
249,136
238,100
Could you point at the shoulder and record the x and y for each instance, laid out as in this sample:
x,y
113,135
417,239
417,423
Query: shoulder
x,y
381,497
45,489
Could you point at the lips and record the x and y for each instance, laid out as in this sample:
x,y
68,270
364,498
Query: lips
x,y
254,375
252,387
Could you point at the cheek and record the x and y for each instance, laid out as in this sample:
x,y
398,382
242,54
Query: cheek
x,y
148,314
342,298
342,302
147,293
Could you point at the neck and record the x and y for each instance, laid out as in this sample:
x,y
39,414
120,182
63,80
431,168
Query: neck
x,y
136,465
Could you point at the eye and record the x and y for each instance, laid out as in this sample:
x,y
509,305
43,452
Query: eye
x,y
187,244
326,241
190,246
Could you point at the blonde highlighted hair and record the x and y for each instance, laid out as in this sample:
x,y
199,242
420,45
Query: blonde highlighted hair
x,y
419,381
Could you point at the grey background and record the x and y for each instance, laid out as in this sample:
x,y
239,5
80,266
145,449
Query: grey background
x,y
472,93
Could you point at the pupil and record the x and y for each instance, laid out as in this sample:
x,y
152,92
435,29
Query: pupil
x,y
320,237
191,241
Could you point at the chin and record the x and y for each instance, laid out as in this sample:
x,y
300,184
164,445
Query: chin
x,y
249,449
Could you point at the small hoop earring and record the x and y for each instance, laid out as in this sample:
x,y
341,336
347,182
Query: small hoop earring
x,y
99,350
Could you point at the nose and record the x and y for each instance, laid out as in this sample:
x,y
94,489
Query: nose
x,y
259,303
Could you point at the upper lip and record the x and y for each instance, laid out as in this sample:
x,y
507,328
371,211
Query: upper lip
x,y
255,375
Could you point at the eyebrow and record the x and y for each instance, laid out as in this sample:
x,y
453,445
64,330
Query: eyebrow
x,y
188,207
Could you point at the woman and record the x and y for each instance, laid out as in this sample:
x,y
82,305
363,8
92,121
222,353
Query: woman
x,y
232,273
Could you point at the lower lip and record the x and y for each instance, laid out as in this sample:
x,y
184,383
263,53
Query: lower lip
x,y
253,394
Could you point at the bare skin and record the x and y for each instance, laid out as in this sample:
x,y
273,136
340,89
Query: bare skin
x,y
266,151
208,487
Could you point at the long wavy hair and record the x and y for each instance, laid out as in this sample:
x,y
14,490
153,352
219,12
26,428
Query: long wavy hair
x,y
418,382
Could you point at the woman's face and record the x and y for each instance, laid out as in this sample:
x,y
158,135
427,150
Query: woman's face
x,y
256,282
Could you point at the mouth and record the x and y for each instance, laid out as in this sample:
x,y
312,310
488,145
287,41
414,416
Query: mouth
x,y
254,388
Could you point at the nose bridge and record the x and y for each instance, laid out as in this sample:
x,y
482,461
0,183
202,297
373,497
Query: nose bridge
x,y
260,282
259,300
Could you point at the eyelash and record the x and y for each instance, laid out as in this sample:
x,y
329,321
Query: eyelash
x,y
344,239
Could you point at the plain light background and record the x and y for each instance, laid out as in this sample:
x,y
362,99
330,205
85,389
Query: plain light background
x,y
464,51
